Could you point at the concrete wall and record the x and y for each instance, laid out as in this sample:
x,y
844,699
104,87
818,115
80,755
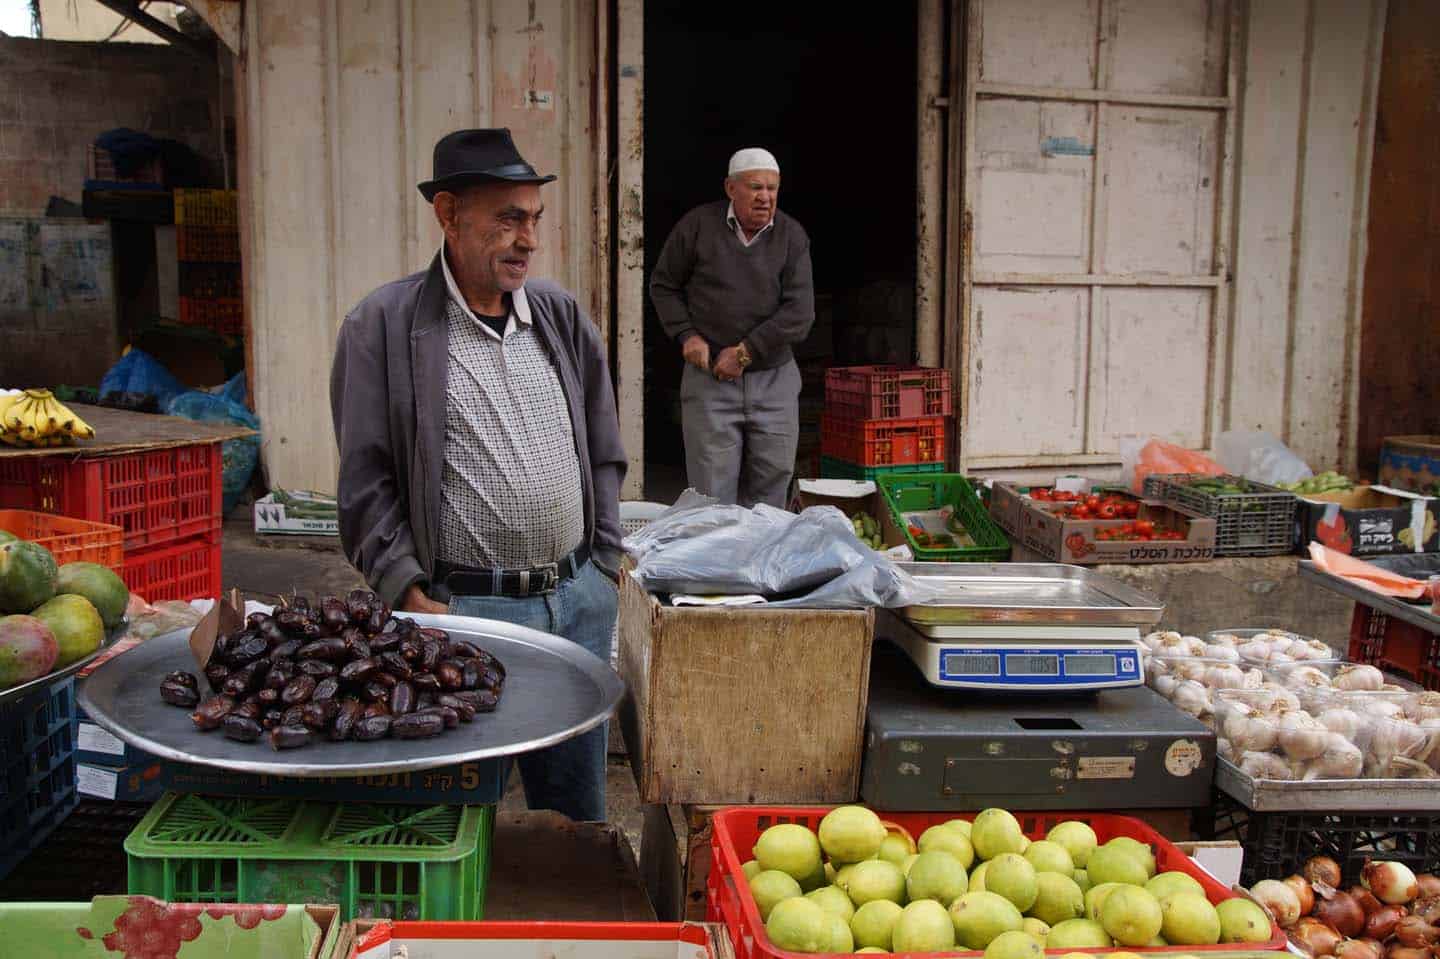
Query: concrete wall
x,y
56,96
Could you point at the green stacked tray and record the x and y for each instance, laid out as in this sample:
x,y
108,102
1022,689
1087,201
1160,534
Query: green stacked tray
x,y
910,493
375,860
832,468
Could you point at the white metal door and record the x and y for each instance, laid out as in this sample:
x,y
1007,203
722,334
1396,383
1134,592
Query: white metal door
x,y
1096,140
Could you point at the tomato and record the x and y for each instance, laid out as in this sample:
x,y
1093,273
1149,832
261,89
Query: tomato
x,y
1092,501
1106,511
1145,527
1132,509
1080,512
1040,494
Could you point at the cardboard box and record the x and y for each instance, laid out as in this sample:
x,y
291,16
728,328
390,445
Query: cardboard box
x,y
1008,500
142,782
271,516
717,695
1411,463
1369,521
108,926
848,496
1073,540
477,783
97,745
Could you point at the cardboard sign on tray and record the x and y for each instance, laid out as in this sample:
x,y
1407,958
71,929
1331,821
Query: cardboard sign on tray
x,y
224,617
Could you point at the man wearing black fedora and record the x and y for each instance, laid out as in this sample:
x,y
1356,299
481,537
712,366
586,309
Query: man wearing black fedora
x,y
480,452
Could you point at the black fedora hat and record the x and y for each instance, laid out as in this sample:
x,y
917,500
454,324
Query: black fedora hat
x,y
478,156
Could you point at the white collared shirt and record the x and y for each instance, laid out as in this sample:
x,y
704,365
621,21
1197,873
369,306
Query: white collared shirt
x,y
739,230
519,305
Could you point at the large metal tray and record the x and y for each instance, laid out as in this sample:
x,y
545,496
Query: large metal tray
x,y
1420,567
1327,795
554,690
1048,593
49,679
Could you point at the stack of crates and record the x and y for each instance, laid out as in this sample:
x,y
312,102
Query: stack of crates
x,y
166,502
37,769
884,419
207,241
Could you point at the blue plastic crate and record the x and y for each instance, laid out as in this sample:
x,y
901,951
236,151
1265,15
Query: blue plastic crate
x,y
37,769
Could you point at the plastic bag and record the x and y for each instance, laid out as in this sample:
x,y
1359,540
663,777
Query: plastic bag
x,y
234,390
140,374
1158,456
811,560
1260,457
239,455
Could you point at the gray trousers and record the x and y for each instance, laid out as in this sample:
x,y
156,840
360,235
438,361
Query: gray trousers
x,y
740,437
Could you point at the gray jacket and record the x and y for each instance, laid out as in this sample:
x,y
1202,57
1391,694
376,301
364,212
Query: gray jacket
x,y
387,396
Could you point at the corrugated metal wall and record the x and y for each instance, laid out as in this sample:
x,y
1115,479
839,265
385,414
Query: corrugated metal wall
x,y
342,102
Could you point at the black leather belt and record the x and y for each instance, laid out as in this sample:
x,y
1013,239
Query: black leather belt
x,y
515,583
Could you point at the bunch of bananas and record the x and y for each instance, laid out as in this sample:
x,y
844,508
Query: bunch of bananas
x,y
37,418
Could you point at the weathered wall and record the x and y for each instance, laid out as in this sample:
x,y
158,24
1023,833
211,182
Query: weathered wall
x,y
341,106
1399,351
57,96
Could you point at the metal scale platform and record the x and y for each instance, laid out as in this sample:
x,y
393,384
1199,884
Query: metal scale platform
x,y
1021,685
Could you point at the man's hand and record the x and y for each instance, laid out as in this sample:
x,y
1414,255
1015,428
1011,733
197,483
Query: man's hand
x,y
727,365
697,352
415,601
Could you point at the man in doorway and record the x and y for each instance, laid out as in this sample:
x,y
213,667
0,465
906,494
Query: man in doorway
x,y
480,453
733,290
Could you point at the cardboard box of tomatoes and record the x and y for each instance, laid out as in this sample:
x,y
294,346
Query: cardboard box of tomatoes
x,y
1008,501
1114,528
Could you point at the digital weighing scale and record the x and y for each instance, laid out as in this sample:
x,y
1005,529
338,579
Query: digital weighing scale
x,y
1023,626
1022,685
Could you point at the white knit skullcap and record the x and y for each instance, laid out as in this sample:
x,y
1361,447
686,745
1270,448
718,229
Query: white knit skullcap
x,y
753,158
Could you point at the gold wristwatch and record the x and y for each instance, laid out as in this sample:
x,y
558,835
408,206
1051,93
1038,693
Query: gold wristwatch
x,y
742,355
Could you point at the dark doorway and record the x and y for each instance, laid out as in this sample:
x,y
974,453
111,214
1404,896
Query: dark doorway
x,y
833,97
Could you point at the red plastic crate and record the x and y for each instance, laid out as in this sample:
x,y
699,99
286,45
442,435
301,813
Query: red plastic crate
x,y
887,392
224,315
155,497
1395,645
728,898
68,540
883,442
184,571
207,244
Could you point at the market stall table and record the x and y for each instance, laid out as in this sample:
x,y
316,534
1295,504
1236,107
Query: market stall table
x,y
123,431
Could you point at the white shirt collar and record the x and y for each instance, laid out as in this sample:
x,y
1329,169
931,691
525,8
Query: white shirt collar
x,y
519,305
739,231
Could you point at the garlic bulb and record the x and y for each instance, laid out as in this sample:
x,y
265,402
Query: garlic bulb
x,y
1301,735
1341,759
1341,721
1430,754
1254,679
1358,676
1156,640
1227,676
1255,652
1194,645
1164,684
1265,766
1383,708
1228,654
1280,642
1425,706
1225,639
1224,749
1250,730
1307,677
1191,697
1310,649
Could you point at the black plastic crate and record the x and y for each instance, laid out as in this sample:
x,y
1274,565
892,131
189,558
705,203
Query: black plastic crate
x,y
83,858
1259,522
1277,844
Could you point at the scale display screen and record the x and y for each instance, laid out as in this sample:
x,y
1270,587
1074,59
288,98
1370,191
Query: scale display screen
x,y
1017,664
971,664
1093,664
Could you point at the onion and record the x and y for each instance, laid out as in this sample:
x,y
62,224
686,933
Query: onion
x,y
1398,951
1341,913
1428,884
1381,923
1280,899
1391,882
1315,937
1427,909
1368,903
1359,949
1301,887
1415,931
1322,869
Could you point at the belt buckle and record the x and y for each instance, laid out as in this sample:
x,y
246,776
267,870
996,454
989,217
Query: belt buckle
x,y
548,577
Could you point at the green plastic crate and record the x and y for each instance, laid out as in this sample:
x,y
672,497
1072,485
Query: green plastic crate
x,y
911,493
832,468
374,860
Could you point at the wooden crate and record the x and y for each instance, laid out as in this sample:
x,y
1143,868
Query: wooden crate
x,y
743,705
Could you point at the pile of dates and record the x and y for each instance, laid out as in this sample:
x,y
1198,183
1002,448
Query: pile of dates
x,y
342,669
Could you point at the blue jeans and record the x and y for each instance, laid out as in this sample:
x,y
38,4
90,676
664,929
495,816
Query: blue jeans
x,y
568,777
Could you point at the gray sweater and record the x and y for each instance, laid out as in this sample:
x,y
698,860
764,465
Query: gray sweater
x,y
706,281
387,396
